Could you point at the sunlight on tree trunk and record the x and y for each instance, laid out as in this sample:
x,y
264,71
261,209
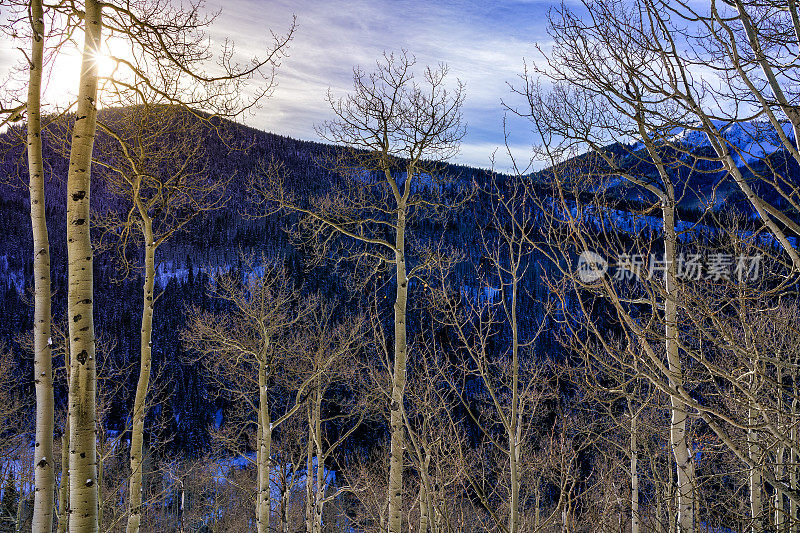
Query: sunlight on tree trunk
x,y
83,433
42,366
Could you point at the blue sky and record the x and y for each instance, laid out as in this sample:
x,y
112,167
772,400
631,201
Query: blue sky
x,y
484,43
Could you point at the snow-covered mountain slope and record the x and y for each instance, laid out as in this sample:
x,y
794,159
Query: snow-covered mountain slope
x,y
749,141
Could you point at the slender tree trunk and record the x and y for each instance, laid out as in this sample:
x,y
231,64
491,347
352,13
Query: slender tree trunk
x,y
634,473
672,506
678,436
264,452
310,471
395,487
427,507
140,405
754,475
63,493
315,474
514,427
22,504
424,515
100,487
780,509
286,497
660,513
319,468
44,475
83,431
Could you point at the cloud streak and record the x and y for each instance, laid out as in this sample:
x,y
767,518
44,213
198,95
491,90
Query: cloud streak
x,y
483,44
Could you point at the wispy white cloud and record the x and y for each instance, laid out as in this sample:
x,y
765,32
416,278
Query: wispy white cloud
x,y
483,43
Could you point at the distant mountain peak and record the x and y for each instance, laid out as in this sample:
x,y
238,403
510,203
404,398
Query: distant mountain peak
x,y
749,140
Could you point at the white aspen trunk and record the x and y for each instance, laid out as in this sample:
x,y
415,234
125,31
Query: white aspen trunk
x,y
310,472
678,436
754,475
183,505
83,380
319,502
139,406
437,524
285,501
780,509
319,493
309,469
423,508
63,493
395,486
287,482
264,452
44,474
634,474
427,508
660,513
514,428
257,502
315,470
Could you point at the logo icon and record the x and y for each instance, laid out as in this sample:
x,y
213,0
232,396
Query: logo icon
x,y
591,266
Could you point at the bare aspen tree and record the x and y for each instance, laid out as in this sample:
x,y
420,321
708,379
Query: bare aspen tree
x,y
754,46
718,320
609,102
29,20
329,349
167,45
610,388
290,450
510,392
394,129
632,59
60,347
83,431
164,188
44,473
245,346
435,444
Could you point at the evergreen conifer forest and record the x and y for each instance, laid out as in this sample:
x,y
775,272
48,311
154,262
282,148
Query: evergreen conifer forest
x,y
243,289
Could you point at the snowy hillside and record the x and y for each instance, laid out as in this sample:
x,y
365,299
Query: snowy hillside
x,y
749,141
